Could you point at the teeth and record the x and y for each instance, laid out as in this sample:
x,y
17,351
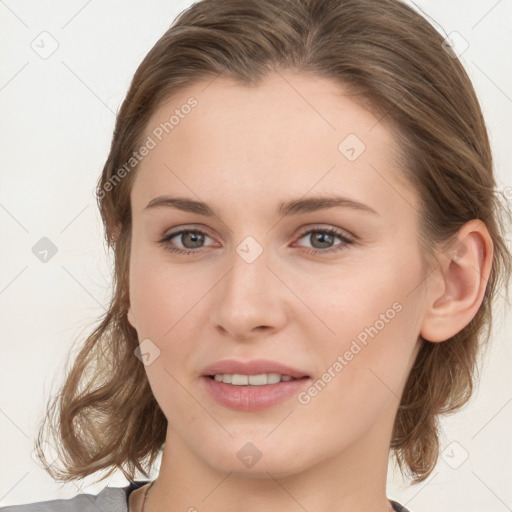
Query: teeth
x,y
252,380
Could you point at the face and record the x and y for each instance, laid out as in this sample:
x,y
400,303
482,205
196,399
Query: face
x,y
333,292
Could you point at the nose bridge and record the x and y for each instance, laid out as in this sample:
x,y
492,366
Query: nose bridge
x,y
248,269
249,296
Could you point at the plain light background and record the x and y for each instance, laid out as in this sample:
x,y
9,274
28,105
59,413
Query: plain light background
x,y
57,115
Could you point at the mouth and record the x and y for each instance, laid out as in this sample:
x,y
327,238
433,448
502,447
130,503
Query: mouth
x,y
255,372
254,385
262,379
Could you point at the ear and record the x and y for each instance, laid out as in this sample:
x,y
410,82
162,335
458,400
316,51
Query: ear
x,y
457,290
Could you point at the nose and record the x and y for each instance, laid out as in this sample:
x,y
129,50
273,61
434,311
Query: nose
x,y
250,300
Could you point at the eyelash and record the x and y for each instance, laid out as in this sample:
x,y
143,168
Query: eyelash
x,y
331,231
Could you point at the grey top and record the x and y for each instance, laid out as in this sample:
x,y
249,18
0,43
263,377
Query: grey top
x,y
110,499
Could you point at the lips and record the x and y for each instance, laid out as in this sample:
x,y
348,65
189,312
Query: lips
x,y
256,397
253,367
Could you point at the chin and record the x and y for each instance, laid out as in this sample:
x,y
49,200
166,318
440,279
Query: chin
x,y
255,460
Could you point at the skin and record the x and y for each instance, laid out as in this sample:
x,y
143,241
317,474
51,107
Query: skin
x,y
243,151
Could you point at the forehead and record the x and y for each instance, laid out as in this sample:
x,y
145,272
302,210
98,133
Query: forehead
x,y
290,135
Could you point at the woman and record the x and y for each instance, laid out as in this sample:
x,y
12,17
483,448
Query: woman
x,y
300,198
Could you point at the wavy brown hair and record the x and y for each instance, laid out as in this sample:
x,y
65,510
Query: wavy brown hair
x,y
393,61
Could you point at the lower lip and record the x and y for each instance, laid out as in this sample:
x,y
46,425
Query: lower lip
x,y
253,398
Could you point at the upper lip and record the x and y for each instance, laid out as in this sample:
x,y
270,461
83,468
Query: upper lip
x,y
252,367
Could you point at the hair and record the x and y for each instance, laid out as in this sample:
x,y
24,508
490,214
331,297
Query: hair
x,y
391,58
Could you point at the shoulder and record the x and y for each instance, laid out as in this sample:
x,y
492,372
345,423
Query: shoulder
x,y
396,506
110,499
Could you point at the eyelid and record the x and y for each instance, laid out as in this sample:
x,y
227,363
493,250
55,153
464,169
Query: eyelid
x,y
187,227
327,227
302,232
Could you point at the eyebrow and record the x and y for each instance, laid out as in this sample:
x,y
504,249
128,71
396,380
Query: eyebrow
x,y
292,207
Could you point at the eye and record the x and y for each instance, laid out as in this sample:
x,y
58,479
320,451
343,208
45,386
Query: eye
x,y
191,240
323,238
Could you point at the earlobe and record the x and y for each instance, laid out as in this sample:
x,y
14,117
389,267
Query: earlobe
x,y
464,267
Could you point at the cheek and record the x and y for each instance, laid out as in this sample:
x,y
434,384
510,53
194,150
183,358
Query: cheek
x,y
166,301
361,381
162,299
350,300
374,323
162,294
